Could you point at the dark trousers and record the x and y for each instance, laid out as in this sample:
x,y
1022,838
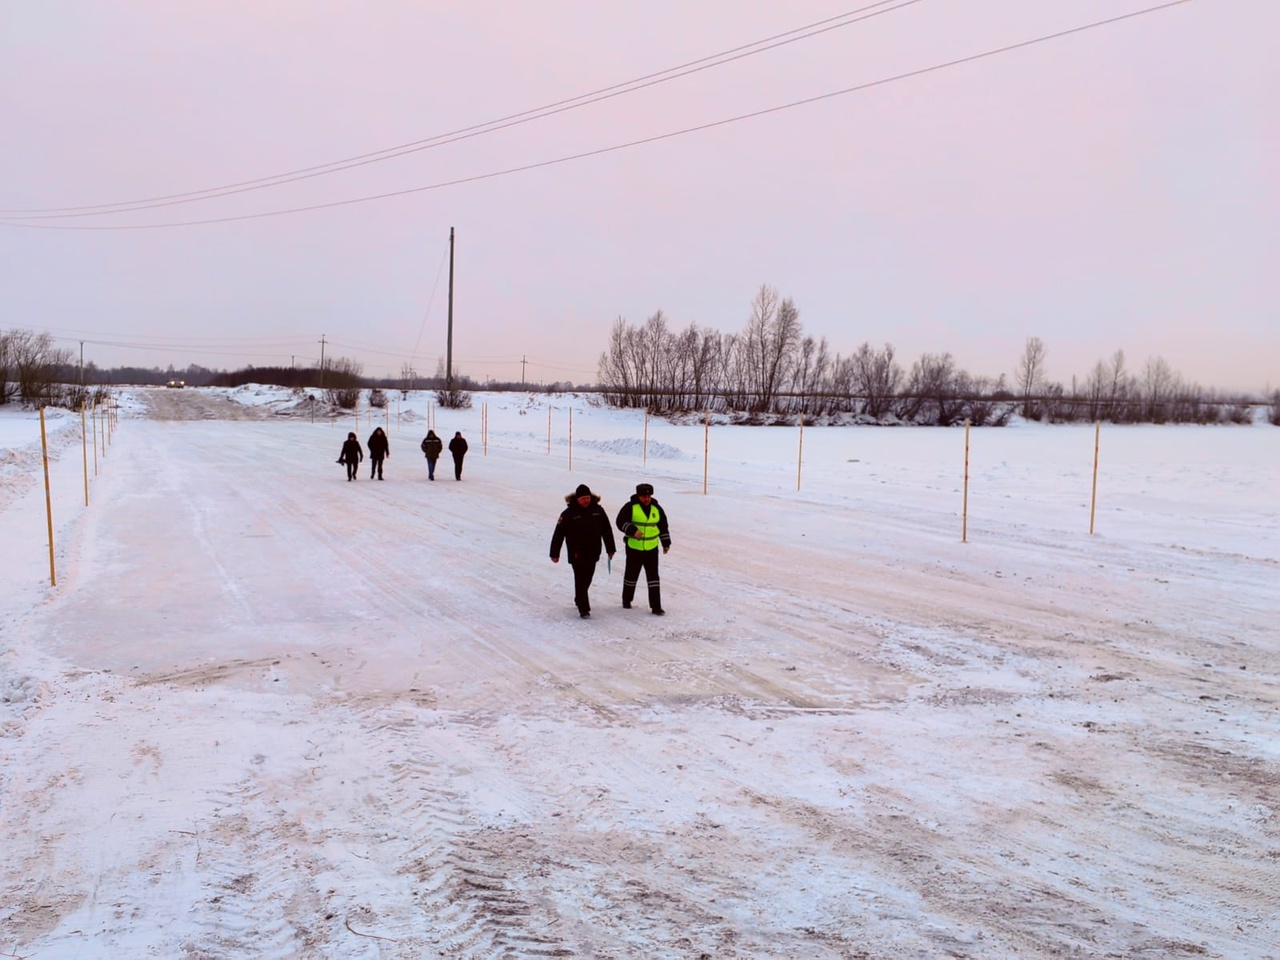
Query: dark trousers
x,y
584,571
375,467
638,560
352,467
457,468
431,468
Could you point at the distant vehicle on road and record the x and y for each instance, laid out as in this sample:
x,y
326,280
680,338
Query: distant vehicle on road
x,y
176,384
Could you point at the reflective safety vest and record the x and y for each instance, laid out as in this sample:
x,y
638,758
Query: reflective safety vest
x,y
646,535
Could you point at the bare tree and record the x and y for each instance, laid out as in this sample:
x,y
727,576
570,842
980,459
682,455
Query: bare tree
x,y
7,387
1159,384
342,382
876,378
453,395
933,392
34,365
810,376
1120,389
1031,377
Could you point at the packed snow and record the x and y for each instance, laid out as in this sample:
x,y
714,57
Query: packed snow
x,y
891,712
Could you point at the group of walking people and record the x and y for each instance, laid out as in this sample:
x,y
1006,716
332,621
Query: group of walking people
x,y
380,449
584,529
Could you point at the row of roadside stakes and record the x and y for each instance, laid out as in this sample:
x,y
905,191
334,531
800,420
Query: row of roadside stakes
x,y
706,450
103,423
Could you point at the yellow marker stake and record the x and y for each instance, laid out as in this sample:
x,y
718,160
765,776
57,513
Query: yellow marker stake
x,y
84,453
1093,501
964,515
48,499
800,453
644,455
706,450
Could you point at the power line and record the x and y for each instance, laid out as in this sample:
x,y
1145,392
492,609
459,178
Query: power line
x,y
492,126
657,138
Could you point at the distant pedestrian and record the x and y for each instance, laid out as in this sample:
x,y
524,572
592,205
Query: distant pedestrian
x,y
644,524
351,455
458,448
379,450
583,526
432,447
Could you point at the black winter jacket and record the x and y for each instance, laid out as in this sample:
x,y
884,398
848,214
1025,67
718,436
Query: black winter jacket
x,y
351,452
582,530
379,446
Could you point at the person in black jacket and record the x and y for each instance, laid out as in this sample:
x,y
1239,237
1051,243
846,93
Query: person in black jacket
x,y
351,455
583,526
379,450
643,523
458,448
432,447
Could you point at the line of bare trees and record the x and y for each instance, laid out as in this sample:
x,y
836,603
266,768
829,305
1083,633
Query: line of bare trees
x,y
35,373
771,369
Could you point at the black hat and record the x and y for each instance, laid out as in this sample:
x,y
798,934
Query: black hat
x,y
644,489
582,491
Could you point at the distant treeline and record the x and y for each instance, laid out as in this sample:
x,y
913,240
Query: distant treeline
x,y
771,370
768,372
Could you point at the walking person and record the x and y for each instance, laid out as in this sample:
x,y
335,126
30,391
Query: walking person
x,y
458,449
351,455
379,450
582,527
432,447
644,524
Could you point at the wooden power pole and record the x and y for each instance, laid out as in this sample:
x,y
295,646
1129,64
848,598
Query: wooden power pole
x,y
448,357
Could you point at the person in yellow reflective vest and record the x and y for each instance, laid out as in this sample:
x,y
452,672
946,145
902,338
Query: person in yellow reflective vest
x,y
643,523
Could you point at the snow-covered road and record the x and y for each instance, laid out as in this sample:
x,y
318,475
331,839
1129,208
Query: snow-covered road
x,y
270,713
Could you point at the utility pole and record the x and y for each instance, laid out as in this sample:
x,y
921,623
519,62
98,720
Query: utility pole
x,y
322,361
448,361
81,363
522,363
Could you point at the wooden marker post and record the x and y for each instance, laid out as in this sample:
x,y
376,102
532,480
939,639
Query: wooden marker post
x,y
964,512
93,423
644,449
706,450
1093,500
549,409
800,453
571,439
48,498
84,452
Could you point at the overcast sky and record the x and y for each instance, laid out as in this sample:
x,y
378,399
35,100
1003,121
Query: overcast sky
x,y
1113,189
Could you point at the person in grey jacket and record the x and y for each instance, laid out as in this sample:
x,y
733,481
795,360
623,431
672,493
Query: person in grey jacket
x,y
432,447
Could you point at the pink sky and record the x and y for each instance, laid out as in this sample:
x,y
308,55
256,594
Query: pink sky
x,y
1111,190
